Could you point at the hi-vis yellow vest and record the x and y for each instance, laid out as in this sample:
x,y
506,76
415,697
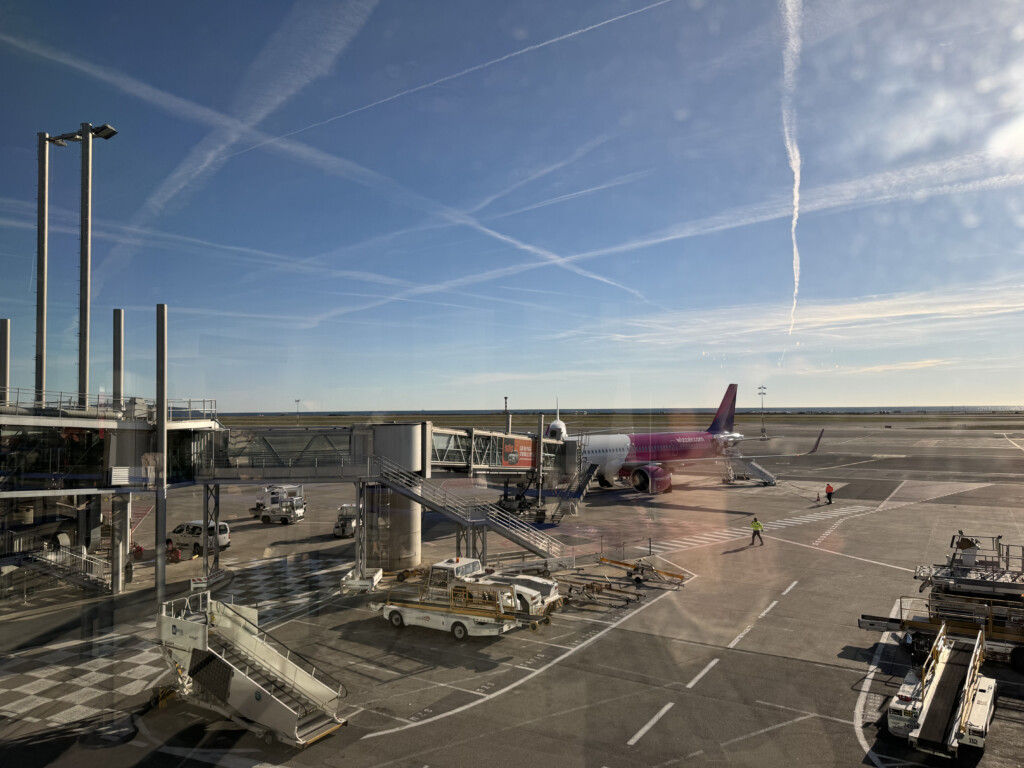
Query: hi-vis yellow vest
x,y
756,525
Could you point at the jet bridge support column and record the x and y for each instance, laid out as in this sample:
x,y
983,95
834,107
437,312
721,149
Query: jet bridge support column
x,y
394,538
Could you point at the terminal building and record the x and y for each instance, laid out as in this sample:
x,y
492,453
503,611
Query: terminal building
x,y
78,473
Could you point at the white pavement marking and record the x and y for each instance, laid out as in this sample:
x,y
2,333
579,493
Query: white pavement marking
x,y
523,679
1015,445
740,636
897,490
841,554
790,587
858,713
702,673
650,724
765,730
805,712
765,611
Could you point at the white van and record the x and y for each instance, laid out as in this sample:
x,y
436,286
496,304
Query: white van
x,y
188,537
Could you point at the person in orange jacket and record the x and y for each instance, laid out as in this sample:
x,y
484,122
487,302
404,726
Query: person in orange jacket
x,y
829,490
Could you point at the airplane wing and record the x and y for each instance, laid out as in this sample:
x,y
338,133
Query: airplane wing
x,y
786,455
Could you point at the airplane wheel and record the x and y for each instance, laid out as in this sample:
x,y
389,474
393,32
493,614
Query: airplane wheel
x,y
396,620
459,631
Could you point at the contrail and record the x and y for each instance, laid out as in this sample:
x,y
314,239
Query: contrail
x,y
792,12
454,76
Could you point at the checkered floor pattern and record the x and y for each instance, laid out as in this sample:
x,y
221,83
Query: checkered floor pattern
x,y
743,531
283,586
70,687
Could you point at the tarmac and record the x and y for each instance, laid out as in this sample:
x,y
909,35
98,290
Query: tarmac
x,y
755,660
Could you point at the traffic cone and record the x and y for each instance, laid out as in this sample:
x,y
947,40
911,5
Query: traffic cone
x,y
819,497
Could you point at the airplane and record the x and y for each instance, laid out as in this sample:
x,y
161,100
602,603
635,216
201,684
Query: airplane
x,y
645,461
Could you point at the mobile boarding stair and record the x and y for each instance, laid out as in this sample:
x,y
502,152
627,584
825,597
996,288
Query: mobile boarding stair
x,y
222,661
738,468
575,490
461,511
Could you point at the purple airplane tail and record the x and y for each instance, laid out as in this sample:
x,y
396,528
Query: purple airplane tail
x,y
726,412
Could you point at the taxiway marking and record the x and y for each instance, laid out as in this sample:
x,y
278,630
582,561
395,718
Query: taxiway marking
x,y
702,673
586,643
650,724
790,587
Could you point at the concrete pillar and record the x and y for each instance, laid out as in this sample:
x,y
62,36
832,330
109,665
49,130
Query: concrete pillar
x,y
42,210
117,395
5,360
120,532
161,451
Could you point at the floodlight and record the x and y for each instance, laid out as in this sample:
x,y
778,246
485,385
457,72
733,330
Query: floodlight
x,y
104,131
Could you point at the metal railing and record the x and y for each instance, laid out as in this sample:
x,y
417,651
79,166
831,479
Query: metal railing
x,y
465,511
200,602
46,402
75,563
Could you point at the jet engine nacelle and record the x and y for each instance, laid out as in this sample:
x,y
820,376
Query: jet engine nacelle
x,y
651,479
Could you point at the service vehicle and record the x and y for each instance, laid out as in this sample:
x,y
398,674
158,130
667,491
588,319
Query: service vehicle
x,y
188,537
980,586
945,708
347,523
280,504
535,595
465,610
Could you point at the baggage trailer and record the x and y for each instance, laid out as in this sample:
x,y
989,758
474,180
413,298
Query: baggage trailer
x,y
947,707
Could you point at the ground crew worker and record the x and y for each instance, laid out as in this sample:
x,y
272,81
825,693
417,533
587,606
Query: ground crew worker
x,y
829,490
756,525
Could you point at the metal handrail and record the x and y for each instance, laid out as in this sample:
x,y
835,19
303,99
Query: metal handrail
x,y
183,607
461,508
31,399
83,565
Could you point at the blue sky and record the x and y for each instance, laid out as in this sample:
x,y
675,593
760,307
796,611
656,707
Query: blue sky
x,y
377,205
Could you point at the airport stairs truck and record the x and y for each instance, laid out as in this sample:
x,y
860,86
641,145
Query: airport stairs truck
x,y
462,511
222,661
946,709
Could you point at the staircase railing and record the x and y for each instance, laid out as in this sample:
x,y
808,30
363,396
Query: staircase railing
x,y
465,511
69,561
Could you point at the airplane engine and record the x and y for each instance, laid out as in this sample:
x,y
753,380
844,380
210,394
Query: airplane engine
x,y
651,479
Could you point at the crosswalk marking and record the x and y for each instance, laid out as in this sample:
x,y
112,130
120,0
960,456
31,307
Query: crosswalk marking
x,y
732,533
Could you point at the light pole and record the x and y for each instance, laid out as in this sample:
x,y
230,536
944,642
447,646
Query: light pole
x,y
296,410
84,135
762,391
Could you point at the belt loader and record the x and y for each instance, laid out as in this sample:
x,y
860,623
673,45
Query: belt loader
x,y
948,705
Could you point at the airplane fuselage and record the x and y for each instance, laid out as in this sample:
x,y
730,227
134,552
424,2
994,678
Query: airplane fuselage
x,y
618,455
